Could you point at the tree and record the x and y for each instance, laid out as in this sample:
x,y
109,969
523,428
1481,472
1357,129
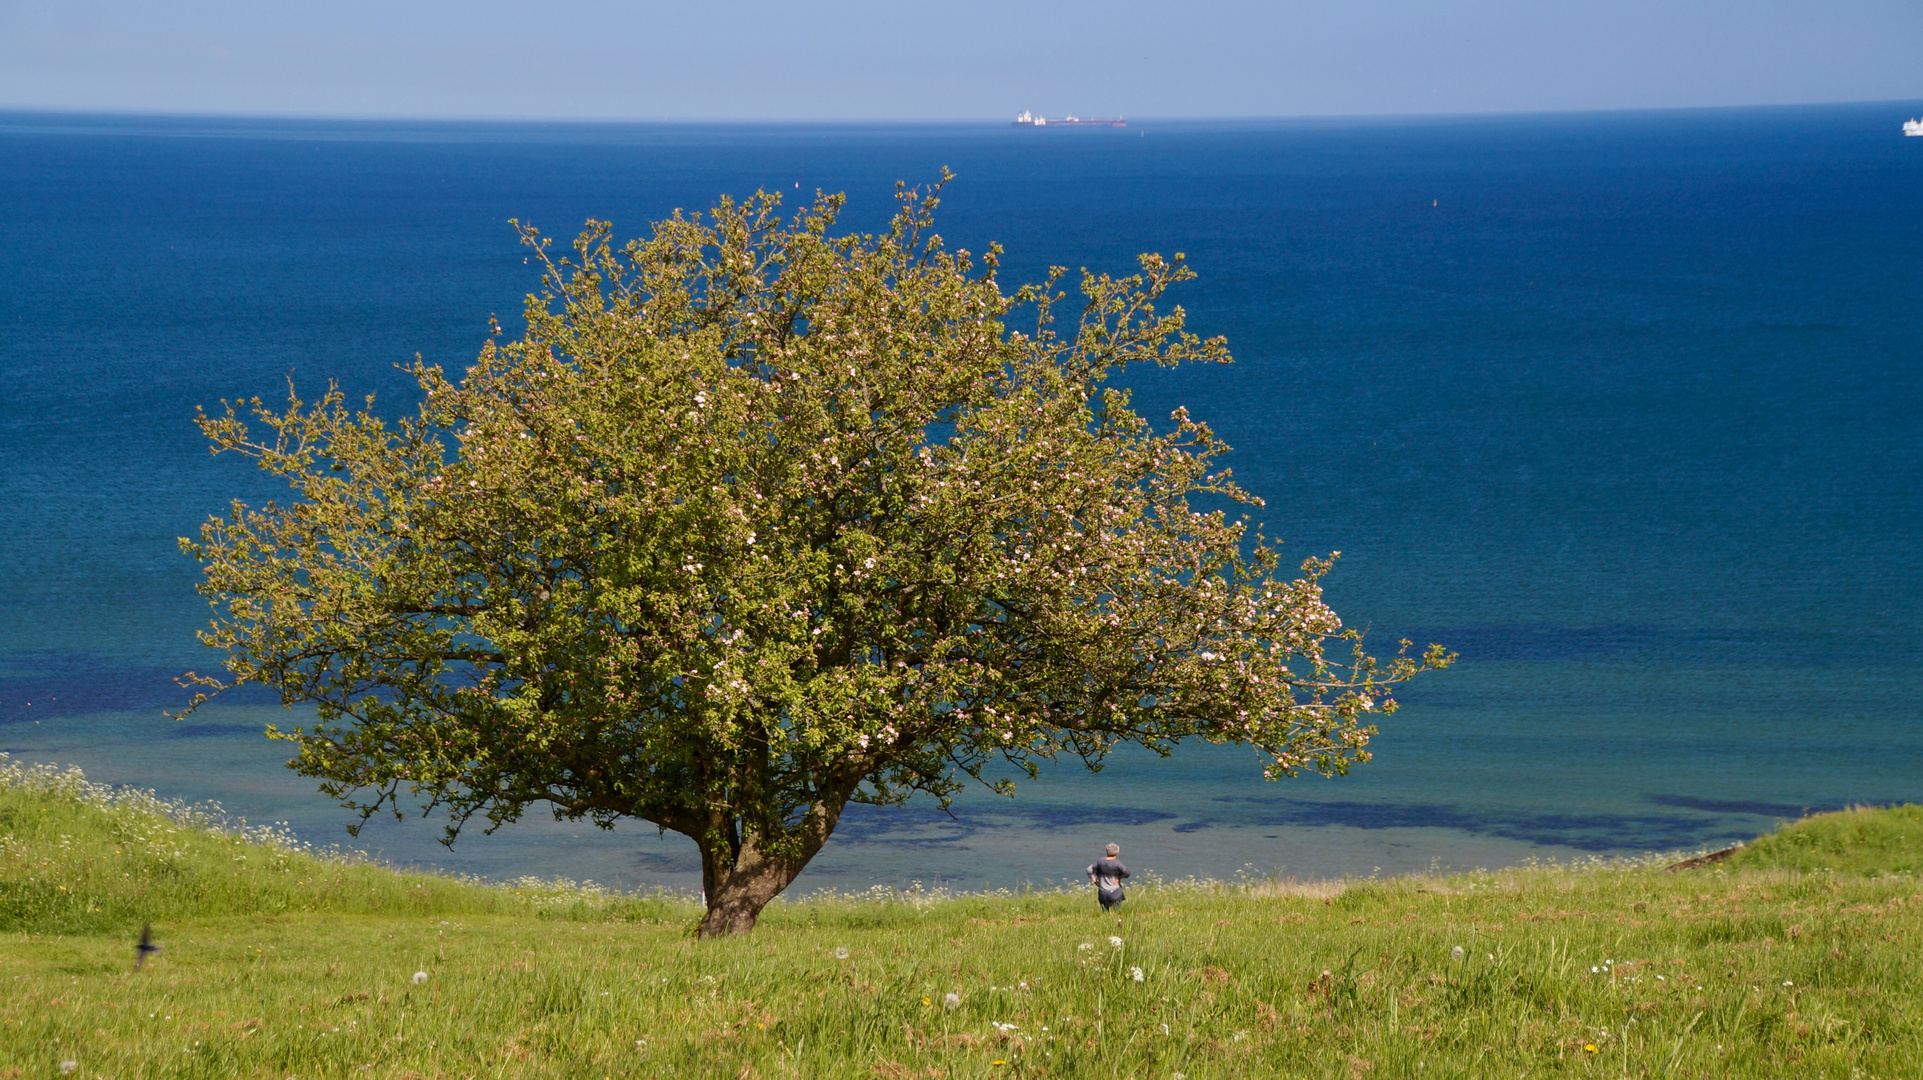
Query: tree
x,y
754,522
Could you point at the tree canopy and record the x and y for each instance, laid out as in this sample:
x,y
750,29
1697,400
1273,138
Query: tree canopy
x,y
755,521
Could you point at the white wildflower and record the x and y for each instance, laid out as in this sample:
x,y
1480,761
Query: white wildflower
x,y
1114,942
1083,947
1135,973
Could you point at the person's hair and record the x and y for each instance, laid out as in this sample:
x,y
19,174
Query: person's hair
x,y
1115,849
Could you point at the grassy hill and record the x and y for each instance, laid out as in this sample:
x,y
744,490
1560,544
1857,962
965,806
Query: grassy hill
x,y
1796,956
1886,840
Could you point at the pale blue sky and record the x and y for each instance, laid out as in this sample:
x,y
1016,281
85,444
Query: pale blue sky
x,y
978,59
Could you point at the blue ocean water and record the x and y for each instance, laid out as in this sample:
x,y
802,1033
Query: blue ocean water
x,y
1623,407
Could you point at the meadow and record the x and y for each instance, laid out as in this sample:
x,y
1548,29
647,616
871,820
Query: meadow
x,y
1797,955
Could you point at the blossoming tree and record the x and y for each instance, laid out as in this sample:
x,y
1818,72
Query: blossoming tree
x,y
756,521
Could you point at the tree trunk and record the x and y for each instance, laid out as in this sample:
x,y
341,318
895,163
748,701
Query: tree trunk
x,y
739,879
734,909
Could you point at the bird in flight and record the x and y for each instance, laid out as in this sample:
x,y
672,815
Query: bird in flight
x,y
146,946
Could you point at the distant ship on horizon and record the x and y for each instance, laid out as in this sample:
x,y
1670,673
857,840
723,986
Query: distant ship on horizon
x,y
1028,120
1910,127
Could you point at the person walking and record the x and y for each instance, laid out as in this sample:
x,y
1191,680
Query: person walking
x,y
1107,874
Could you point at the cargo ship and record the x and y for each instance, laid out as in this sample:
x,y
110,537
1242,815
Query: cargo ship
x,y
1028,120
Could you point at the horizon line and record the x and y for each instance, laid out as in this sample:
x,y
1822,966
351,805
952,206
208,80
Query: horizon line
x,y
74,112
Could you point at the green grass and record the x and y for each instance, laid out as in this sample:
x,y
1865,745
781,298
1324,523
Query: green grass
x,y
288,963
80,858
1886,840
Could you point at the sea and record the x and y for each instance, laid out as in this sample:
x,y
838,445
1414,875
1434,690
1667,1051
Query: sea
x,y
1622,407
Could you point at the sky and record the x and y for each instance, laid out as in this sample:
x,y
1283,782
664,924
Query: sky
x,y
947,59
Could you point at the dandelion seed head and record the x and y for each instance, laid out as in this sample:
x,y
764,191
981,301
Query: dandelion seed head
x,y
68,1066
951,1001
1456,953
420,978
841,953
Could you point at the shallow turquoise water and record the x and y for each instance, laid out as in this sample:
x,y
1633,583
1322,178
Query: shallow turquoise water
x,y
1620,406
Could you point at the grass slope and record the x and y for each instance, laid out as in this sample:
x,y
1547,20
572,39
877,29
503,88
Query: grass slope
x,y
280,962
1886,840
